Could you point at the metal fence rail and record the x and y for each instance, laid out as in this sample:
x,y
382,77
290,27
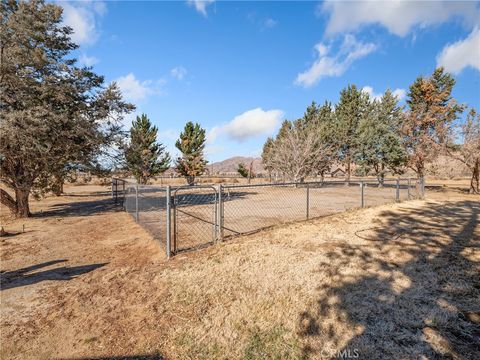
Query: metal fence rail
x,y
183,218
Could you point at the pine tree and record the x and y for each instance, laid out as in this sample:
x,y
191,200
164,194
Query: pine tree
x,y
267,153
242,170
427,125
379,145
54,113
349,112
144,156
191,144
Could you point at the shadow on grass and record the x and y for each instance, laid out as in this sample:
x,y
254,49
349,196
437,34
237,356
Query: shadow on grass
x,y
132,357
80,208
25,277
418,299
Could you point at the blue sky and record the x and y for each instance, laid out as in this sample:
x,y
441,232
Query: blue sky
x,y
240,68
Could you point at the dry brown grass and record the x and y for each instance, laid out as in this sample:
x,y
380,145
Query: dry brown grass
x,y
397,281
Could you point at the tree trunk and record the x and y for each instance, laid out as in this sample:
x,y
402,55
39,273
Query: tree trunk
x,y
8,201
190,180
381,177
58,185
475,180
23,207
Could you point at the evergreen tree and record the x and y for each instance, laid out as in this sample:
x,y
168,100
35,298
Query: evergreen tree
x,y
53,113
379,146
349,112
267,153
144,156
191,144
242,170
427,125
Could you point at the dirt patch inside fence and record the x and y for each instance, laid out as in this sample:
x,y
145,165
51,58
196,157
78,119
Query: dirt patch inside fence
x,y
395,281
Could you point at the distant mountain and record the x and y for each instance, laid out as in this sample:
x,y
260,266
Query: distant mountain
x,y
231,165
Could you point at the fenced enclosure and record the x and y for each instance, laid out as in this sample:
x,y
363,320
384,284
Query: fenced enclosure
x,y
185,218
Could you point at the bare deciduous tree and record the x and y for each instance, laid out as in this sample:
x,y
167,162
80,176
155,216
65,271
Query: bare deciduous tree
x,y
469,151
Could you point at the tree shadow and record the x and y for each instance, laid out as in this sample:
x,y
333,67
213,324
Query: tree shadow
x,y
25,277
410,289
80,208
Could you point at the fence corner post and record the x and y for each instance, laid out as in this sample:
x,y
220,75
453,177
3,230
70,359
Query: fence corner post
x,y
219,219
168,220
397,191
362,193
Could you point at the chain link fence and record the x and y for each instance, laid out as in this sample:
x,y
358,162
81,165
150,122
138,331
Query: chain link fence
x,y
185,218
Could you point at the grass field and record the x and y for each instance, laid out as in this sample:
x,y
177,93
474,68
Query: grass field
x,y
395,281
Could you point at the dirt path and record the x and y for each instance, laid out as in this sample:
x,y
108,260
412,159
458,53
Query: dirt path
x,y
84,281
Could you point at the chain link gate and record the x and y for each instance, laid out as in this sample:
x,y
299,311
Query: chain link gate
x,y
195,217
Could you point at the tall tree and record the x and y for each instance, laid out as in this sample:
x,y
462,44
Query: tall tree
x,y
379,146
351,109
52,112
144,156
427,125
191,144
267,153
469,150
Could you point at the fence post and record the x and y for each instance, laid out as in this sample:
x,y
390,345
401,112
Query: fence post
x,y
136,202
124,195
362,190
409,183
113,196
422,187
397,192
308,201
219,219
168,224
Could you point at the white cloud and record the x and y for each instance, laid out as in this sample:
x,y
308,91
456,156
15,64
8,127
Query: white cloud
x,y
399,93
249,124
200,5
335,65
399,17
85,60
83,18
461,54
135,90
178,72
369,90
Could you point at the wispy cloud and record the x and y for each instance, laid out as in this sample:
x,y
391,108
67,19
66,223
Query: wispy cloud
x,y
83,17
200,5
136,90
178,72
263,23
461,54
269,23
85,60
327,65
399,17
